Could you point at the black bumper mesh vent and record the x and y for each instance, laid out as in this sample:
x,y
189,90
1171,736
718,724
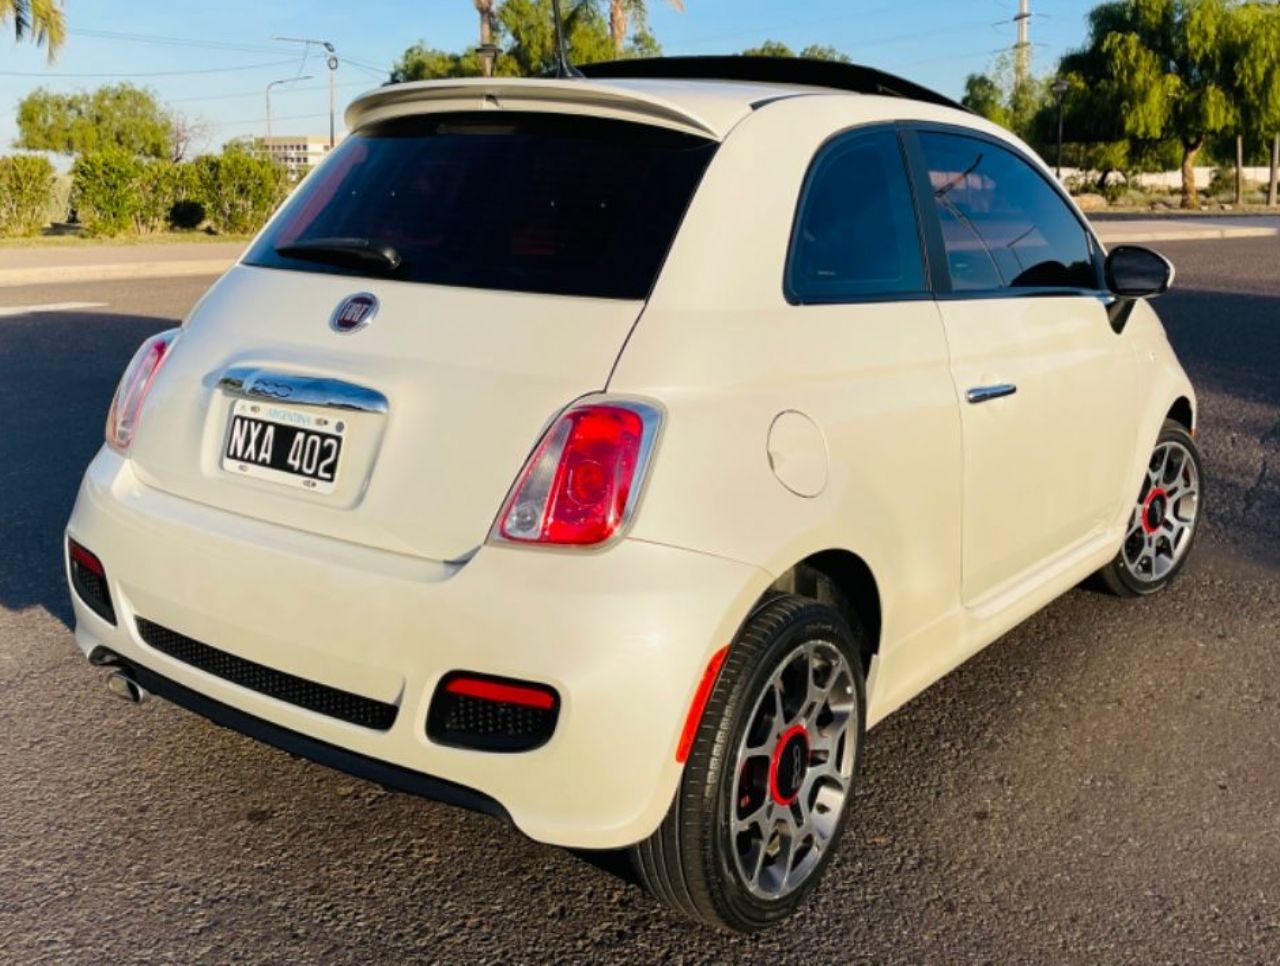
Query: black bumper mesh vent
x,y
466,721
298,691
92,589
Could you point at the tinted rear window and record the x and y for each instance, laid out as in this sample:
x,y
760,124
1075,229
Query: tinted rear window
x,y
523,202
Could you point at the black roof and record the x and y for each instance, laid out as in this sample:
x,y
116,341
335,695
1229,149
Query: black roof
x,y
772,70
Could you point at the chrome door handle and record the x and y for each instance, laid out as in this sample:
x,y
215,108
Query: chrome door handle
x,y
981,394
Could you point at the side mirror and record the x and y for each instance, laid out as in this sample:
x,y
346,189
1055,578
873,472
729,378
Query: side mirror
x,y
1134,272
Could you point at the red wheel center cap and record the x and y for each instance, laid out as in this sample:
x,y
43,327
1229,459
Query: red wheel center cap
x,y
1154,510
788,766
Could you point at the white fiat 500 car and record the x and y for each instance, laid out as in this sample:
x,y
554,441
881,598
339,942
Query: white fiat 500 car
x,y
608,454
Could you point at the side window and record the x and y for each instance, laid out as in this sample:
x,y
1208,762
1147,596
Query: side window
x,y
1002,224
856,233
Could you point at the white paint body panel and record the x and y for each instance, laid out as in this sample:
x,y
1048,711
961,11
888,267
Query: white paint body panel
x,y
385,585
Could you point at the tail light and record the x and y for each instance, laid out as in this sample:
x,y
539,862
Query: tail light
x,y
122,420
580,486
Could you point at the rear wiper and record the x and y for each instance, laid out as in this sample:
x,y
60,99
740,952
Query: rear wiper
x,y
348,252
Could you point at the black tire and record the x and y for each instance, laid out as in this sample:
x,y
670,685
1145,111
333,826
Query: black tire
x,y
689,863
1121,577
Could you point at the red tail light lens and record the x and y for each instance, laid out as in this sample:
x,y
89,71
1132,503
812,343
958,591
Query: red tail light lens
x,y
581,483
122,420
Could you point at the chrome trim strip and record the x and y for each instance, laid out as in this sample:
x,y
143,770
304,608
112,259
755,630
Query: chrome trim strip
x,y
324,393
981,394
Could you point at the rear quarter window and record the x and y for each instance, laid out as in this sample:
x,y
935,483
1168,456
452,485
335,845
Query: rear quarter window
x,y
856,235
557,204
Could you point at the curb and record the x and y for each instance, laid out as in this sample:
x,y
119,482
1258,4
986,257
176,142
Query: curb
x,y
1109,235
101,273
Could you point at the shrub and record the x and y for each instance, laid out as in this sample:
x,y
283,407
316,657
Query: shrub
x,y
59,206
239,192
1222,185
26,193
164,186
186,214
107,191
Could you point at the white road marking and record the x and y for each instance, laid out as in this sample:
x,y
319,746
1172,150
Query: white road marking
x,y
7,310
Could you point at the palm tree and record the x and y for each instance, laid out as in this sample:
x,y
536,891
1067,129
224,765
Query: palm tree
x,y
42,20
485,9
620,11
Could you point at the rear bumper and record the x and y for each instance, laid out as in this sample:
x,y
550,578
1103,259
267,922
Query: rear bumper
x,y
623,636
296,743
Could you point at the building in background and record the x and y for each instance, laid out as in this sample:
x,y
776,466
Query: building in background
x,y
297,152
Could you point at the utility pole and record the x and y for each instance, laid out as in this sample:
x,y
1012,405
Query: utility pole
x,y
331,61
1022,49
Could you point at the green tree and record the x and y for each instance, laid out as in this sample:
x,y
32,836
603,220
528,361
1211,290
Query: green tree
x,y
1153,70
634,14
776,48
421,62
530,27
41,20
770,48
118,116
825,52
984,96
1252,76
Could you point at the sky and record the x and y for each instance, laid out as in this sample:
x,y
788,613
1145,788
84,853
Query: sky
x,y
213,61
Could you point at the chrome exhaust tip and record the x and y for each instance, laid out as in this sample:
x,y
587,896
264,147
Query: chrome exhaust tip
x,y
122,686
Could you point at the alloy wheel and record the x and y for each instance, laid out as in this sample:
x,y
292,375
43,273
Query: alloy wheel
x,y
794,770
1164,518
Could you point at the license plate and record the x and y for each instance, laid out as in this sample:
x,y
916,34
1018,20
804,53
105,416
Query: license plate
x,y
284,445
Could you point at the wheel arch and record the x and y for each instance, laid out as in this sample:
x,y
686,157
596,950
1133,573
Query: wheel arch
x,y
1182,413
843,580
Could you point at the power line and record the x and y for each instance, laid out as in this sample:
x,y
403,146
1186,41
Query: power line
x,y
161,41
380,71
258,93
258,120
159,73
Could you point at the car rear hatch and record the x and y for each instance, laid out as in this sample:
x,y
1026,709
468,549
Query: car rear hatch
x,y
392,346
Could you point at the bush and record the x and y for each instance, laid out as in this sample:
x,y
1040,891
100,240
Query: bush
x,y
26,193
107,192
1222,185
59,206
164,186
117,193
239,192
186,214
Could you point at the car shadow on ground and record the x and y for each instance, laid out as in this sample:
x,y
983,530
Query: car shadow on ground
x,y
1229,343
60,371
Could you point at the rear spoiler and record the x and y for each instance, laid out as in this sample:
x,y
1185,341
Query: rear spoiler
x,y
535,94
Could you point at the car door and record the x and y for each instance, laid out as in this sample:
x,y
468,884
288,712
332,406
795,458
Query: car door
x,y
1046,386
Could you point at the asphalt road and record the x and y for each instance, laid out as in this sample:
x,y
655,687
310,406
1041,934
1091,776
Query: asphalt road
x,y
1101,785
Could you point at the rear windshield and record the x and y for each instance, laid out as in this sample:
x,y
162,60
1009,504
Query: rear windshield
x,y
523,202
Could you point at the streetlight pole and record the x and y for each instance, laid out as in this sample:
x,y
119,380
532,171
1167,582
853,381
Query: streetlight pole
x,y
331,61
277,83
1060,88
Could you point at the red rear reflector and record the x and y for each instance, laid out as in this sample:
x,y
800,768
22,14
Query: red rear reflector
x,y
85,559
581,482
699,704
497,691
